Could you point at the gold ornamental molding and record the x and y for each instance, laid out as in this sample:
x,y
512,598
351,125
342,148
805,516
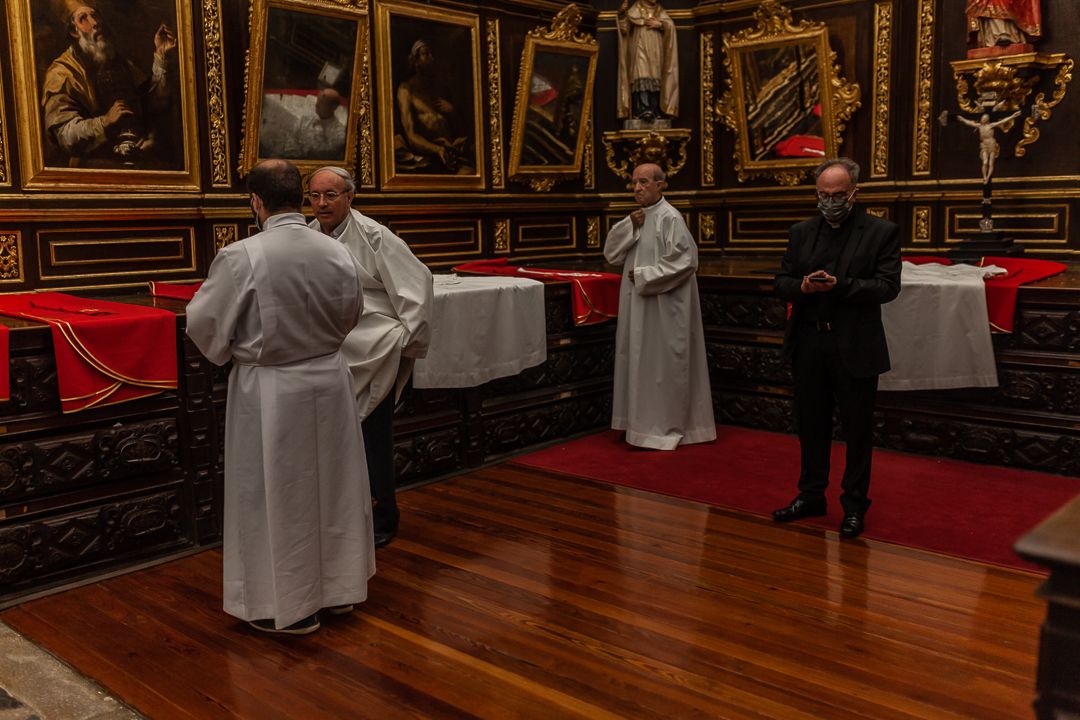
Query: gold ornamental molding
x,y
11,267
366,150
920,223
587,157
924,88
708,112
592,232
224,235
706,228
502,235
5,169
216,105
495,104
839,98
879,144
624,150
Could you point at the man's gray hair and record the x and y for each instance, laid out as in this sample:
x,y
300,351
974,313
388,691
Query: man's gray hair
x,y
350,184
848,164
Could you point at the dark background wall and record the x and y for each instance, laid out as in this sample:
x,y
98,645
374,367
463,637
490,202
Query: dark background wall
x,y
930,189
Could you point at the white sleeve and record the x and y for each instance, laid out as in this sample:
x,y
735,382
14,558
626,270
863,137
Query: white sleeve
x,y
677,262
410,288
212,314
620,239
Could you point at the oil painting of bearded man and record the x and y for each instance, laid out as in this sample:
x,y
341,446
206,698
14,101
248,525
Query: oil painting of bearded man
x,y
103,106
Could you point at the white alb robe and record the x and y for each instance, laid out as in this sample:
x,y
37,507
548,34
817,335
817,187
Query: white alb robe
x,y
395,329
662,396
297,525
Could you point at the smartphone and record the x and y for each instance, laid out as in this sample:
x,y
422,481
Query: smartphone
x,y
818,279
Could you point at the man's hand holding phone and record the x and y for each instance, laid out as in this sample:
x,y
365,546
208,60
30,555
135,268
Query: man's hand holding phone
x,y
817,282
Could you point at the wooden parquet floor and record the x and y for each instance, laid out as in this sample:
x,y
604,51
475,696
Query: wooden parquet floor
x,y
514,593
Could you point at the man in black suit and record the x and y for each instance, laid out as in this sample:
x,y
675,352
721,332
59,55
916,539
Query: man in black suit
x,y
836,273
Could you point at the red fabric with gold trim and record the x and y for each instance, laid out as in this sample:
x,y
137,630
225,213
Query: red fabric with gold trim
x,y
106,352
1001,291
177,291
595,295
5,378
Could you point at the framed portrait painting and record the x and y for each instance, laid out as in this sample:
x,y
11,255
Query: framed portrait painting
x,y
553,103
304,83
106,92
430,129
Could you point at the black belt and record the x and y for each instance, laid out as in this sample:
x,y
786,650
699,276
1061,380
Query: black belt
x,y
819,325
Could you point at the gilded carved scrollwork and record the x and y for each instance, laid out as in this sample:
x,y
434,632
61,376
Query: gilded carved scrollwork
x,y
706,228
502,235
10,257
924,87
921,224
587,167
708,111
1041,110
494,73
807,62
624,150
366,149
224,235
592,232
883,33
217,107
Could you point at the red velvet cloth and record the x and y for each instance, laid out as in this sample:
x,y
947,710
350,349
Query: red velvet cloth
x,y
178,291
800,146
106,352
595,295
5,379
1001,291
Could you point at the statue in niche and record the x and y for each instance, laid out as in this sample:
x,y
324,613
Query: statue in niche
x,y
1004,24
648,91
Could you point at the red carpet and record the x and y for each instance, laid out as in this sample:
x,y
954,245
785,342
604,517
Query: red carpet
x,y
951,507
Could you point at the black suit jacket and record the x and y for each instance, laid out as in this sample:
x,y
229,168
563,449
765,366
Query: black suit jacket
x,y
868,275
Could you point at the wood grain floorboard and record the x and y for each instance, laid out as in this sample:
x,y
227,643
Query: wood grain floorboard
x,y
519,593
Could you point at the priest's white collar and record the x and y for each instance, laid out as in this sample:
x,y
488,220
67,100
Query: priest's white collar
x,y
283,219
650,208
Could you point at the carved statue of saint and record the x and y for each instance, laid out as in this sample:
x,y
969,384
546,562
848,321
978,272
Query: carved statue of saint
x,y
989,148
648,62
1003,22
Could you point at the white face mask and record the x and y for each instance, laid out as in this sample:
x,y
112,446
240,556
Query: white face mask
x,y
836,210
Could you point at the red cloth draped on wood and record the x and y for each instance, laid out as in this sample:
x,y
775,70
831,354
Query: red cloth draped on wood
x,y
106,352
1001,291
5,379
177,291
595,295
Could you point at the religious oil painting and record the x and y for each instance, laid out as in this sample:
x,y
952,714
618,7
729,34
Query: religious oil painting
x,y
430,132
783,102
552,108
106,89
303,100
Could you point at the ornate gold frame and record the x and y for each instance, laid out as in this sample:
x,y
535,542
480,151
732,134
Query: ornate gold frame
x,y
255,70
561,38
839,98
36,175
391,179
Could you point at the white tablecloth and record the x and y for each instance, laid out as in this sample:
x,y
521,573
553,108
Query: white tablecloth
x,y
938,330
482,328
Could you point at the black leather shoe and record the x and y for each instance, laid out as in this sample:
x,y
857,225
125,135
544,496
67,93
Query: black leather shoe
x,y
798,509
382,539
301,627
851,526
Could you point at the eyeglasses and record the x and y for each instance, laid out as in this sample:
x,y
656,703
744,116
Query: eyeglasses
x,y
835,196
328,196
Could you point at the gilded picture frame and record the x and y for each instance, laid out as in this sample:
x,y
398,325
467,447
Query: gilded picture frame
x,y
107,100
303,84
786,101
430,98
553,103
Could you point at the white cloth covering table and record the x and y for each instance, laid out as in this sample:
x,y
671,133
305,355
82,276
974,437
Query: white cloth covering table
x,y
938,330
482,328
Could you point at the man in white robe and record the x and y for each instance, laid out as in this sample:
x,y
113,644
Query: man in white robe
x,y
297,525
392,334
662,396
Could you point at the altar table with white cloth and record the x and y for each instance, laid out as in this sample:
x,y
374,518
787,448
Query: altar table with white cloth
x,y
938,329
482,328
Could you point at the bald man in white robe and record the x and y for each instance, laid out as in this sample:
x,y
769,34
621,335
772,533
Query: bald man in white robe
x,y
662,396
